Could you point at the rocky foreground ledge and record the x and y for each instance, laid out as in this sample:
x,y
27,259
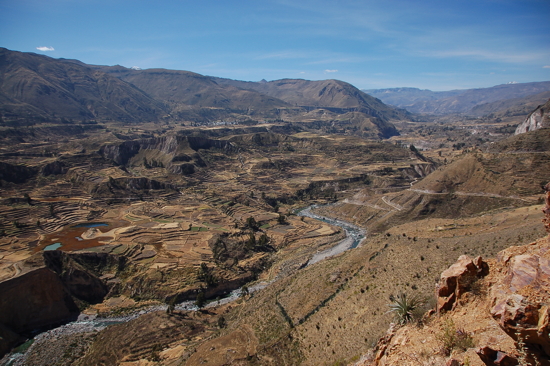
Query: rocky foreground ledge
x,y
493,312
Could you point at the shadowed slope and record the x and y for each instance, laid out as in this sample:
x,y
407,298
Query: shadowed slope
x,y
193,89
33,85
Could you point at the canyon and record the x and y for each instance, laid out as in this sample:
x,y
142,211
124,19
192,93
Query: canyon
x,y
194,220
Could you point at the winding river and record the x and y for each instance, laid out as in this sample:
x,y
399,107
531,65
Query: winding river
x,y
86,323
354,235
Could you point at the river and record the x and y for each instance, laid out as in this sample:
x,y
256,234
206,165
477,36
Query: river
x,y
90,323
354,235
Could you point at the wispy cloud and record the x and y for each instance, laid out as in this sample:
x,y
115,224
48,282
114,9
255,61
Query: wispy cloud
x,y
480,54
329,71
45,49
546,67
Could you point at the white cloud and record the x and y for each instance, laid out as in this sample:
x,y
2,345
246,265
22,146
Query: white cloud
x,y
546,67
327,71
45,49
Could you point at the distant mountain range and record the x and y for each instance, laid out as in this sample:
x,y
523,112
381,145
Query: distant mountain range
x,y
39,89
475,102
36,88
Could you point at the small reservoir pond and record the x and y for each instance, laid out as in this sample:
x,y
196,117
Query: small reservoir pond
x,y
54,246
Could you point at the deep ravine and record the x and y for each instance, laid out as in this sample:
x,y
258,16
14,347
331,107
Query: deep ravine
x,y
91,323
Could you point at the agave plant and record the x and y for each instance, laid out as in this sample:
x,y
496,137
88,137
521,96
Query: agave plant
x,y
403,307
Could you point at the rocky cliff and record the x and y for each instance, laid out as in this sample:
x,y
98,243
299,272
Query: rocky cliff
x,y
537,119
171,149
35,299
16,173
48,289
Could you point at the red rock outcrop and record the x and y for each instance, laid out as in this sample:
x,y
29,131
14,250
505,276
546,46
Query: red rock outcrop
x,y
520,299
492,357
457,279
546,210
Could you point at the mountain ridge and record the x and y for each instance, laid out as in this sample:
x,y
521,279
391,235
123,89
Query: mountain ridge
x,y
455,101
43,87
36,88
322,93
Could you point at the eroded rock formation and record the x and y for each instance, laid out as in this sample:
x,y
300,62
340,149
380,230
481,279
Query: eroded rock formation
x,y
520,298
35,299
47,291
172,146
537,119
457,279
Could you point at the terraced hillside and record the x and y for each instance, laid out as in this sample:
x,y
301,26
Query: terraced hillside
x,y
508,174
183,214
124,218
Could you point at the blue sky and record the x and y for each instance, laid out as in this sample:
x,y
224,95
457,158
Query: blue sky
x,y
438,45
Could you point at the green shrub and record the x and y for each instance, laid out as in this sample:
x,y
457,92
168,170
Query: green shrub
x,y
452,338
403,307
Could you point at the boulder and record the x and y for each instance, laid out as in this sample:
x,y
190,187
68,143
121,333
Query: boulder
x,y
457,279
492,357
520,299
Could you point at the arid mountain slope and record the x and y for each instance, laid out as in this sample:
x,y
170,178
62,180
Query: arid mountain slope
x,y
463,103
191,89
328,94
511,107
37,89
38,86
516,166
404,97
498,315
509,174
